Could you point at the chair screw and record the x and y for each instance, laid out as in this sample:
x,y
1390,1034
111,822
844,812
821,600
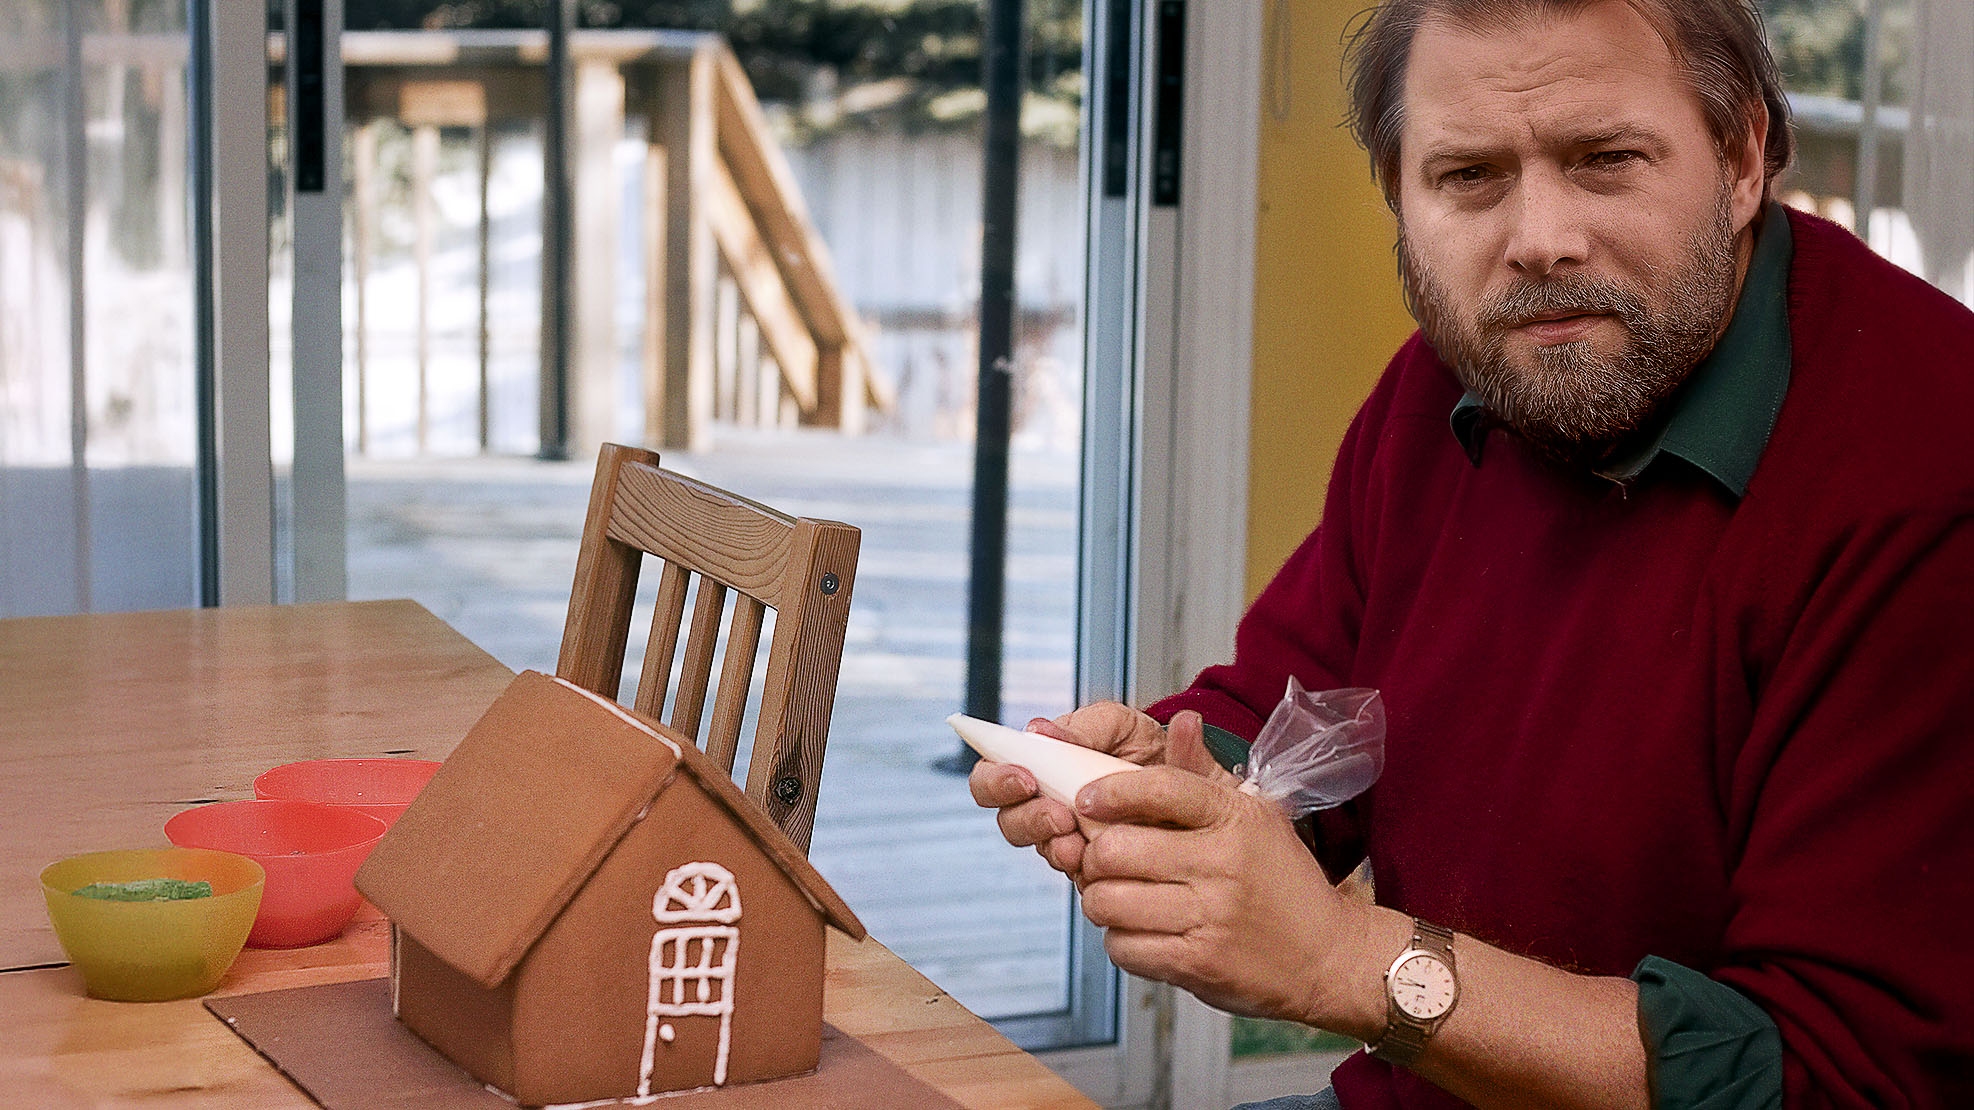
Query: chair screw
x,y
787,789
830,583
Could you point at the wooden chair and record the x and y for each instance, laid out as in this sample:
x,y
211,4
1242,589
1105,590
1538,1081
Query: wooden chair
x,y
802,569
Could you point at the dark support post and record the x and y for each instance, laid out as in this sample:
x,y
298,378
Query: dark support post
x,y
557,230
205,384
986,582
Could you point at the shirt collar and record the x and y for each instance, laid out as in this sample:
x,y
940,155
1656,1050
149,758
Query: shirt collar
x,y
1721,418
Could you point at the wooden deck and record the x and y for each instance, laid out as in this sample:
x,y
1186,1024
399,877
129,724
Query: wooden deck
x,y
489,544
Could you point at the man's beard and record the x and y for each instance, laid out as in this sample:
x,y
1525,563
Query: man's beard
x,y
1575,405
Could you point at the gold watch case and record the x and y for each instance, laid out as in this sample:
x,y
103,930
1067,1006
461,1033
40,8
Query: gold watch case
x,y
1422,986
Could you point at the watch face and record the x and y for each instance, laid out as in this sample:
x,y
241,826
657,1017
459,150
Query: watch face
x,y
1422,987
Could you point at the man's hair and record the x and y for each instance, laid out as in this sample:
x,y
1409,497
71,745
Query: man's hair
x,y
1719,44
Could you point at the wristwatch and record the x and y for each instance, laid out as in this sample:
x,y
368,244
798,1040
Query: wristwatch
x,y
1421,988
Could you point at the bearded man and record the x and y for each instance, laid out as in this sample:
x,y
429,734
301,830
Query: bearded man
x,y
1672,624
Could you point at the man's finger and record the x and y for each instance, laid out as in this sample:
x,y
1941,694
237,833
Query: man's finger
x,y
1137,906
995,785
1035,822
1185,745
1065,854
1042,726
1162,797
1158,956
1138,852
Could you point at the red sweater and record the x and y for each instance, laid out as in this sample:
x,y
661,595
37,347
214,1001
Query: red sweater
x,y
1655,720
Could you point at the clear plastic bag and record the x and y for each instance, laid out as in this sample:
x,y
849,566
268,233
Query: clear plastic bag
x,y
1318,750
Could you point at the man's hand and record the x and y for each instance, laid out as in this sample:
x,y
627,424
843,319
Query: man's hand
x,y
1207,888
1026,818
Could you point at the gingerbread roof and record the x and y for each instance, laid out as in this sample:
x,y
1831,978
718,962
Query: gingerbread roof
x,y
527,807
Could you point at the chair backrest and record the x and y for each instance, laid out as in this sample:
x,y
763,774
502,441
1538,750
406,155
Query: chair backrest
x,y
802,569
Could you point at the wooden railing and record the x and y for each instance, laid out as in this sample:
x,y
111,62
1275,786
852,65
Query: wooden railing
x,y
743,320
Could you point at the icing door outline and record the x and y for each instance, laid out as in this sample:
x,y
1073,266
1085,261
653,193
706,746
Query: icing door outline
x,y
692,960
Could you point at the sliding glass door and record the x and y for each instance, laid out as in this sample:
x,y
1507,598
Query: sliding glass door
x,y
140,204
99,426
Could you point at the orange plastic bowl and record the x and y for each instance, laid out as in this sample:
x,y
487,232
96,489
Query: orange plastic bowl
x,y
310,851
380,787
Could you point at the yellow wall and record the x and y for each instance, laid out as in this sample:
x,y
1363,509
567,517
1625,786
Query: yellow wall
x,y
1327,312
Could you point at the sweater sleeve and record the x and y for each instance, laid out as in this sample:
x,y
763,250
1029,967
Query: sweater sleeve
x,y
1850,796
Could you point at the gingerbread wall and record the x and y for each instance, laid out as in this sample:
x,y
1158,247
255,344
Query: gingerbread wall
x,y
602,945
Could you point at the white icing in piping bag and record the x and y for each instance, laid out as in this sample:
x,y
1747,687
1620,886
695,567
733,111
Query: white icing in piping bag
x,y
1060,768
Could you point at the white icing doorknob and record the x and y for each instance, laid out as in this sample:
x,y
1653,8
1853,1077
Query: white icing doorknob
x,y
1060,767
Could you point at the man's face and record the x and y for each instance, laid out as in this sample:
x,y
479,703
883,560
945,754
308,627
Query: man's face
x,y
1573,241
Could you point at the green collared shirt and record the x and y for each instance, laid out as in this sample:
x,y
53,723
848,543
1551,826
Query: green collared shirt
x,y
1720,419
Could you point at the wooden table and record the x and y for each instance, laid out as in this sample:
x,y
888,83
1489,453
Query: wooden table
x,y
111,723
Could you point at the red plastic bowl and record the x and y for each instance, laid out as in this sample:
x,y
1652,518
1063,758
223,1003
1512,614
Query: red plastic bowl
x,y
310,851
380,787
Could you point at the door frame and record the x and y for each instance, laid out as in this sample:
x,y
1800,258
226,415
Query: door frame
x,y
236,464
1165,489
317,520
240,549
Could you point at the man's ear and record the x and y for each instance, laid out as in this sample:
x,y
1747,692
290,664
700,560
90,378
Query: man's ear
x,y
1748,169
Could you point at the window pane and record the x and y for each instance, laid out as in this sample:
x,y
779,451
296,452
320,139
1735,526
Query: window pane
x,y
876,109
97,428
1911,115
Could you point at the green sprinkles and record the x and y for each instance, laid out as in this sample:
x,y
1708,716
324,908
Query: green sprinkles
x,y
147,890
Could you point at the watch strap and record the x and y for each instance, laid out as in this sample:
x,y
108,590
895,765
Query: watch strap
x,y
1406,1036
1433,938
1403,1042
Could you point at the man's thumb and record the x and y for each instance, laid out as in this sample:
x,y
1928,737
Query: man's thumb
x,y
1185,745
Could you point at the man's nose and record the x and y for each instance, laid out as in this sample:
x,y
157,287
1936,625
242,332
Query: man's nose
x,y
1547,228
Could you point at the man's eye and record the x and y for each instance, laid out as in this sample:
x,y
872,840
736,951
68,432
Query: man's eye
x,y
1614,159
1465,175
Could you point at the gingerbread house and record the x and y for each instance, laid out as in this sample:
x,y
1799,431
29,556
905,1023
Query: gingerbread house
x,y
585,907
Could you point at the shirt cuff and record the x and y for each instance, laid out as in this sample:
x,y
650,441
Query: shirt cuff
x,y
1227,749
1707,1046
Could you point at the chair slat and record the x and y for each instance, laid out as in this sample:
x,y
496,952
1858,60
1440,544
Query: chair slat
x,y
736,675
656,679
697,670
802,569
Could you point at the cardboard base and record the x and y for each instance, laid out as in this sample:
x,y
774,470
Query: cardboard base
x,y
341,1045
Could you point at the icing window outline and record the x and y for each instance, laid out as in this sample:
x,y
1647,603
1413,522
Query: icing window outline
x,y
693,955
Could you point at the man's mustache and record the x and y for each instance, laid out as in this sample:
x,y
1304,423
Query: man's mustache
x,y
1527,301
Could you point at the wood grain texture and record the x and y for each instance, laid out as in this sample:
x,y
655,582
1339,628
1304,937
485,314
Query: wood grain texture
x,y
701,644
66,1051
594,635
668,610
736,676
707,530
803,569
803,664
112,722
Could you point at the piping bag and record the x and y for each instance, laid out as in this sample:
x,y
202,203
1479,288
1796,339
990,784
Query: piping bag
x,y
1060,767
1316,751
